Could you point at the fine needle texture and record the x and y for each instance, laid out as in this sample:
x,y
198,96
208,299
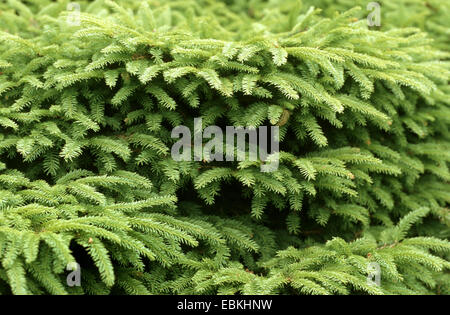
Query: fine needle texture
x,y
91,91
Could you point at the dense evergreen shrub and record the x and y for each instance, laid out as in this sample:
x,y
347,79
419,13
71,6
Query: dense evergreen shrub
x,y
86,174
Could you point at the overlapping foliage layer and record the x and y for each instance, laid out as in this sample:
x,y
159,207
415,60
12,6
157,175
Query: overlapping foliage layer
x,y
86,113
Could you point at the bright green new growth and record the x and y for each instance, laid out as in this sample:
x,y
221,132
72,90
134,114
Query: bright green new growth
x,y
86,175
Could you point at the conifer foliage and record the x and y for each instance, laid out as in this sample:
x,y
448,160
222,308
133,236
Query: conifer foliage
x,y
86,174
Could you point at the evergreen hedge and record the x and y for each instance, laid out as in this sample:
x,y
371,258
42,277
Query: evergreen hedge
x,y
86,174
